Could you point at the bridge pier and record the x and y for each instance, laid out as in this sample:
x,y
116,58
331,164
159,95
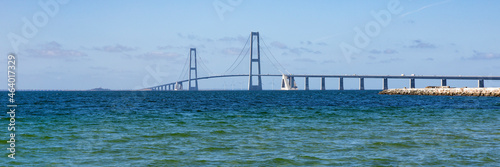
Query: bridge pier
x,y
480,83
341,83
412,83
178,86
306,83
322,83
443,82
361,83
386,84
288,83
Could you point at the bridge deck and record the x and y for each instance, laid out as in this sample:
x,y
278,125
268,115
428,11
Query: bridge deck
x,y
458,77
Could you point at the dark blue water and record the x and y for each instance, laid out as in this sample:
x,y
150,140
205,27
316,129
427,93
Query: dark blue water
x,y
233,128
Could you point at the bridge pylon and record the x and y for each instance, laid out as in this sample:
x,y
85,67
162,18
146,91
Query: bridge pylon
x,y
192,68
254,58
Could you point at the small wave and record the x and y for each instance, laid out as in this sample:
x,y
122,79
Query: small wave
x,y
309,157
283,161
397,145
218,132
216,148
187,134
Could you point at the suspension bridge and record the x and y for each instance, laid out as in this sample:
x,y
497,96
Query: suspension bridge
x,y
288,80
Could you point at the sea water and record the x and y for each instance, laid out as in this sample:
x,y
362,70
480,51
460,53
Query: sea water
x,y
242,128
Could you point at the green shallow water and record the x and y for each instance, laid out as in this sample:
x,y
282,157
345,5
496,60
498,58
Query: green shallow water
x,y
268,128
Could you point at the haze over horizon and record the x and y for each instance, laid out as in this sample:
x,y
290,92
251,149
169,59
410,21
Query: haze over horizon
x,y
135,44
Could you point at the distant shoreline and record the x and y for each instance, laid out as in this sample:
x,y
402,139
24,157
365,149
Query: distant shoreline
x,y
495,92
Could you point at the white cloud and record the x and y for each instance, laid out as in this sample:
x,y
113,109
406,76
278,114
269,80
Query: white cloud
x,y
115,48
422,45
279,45
158,55
54,50
484,56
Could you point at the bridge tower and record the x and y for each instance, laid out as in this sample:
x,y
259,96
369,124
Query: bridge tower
x,y
193,68
254,58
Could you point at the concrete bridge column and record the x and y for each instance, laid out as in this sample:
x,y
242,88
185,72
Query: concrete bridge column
x,y
480,83
254,58
361,83
412,83
443,82
386,84
193,67
341,83
306,84
322,83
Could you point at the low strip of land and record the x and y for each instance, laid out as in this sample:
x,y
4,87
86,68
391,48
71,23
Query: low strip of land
x,y
444,91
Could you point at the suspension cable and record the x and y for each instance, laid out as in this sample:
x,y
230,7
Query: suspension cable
x,y
267,47
241,60
265,55
203,65
238,56
183,68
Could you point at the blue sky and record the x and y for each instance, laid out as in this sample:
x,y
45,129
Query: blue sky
x,y
134,44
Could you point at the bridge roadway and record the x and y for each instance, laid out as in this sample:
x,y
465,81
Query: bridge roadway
x,y
443,78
